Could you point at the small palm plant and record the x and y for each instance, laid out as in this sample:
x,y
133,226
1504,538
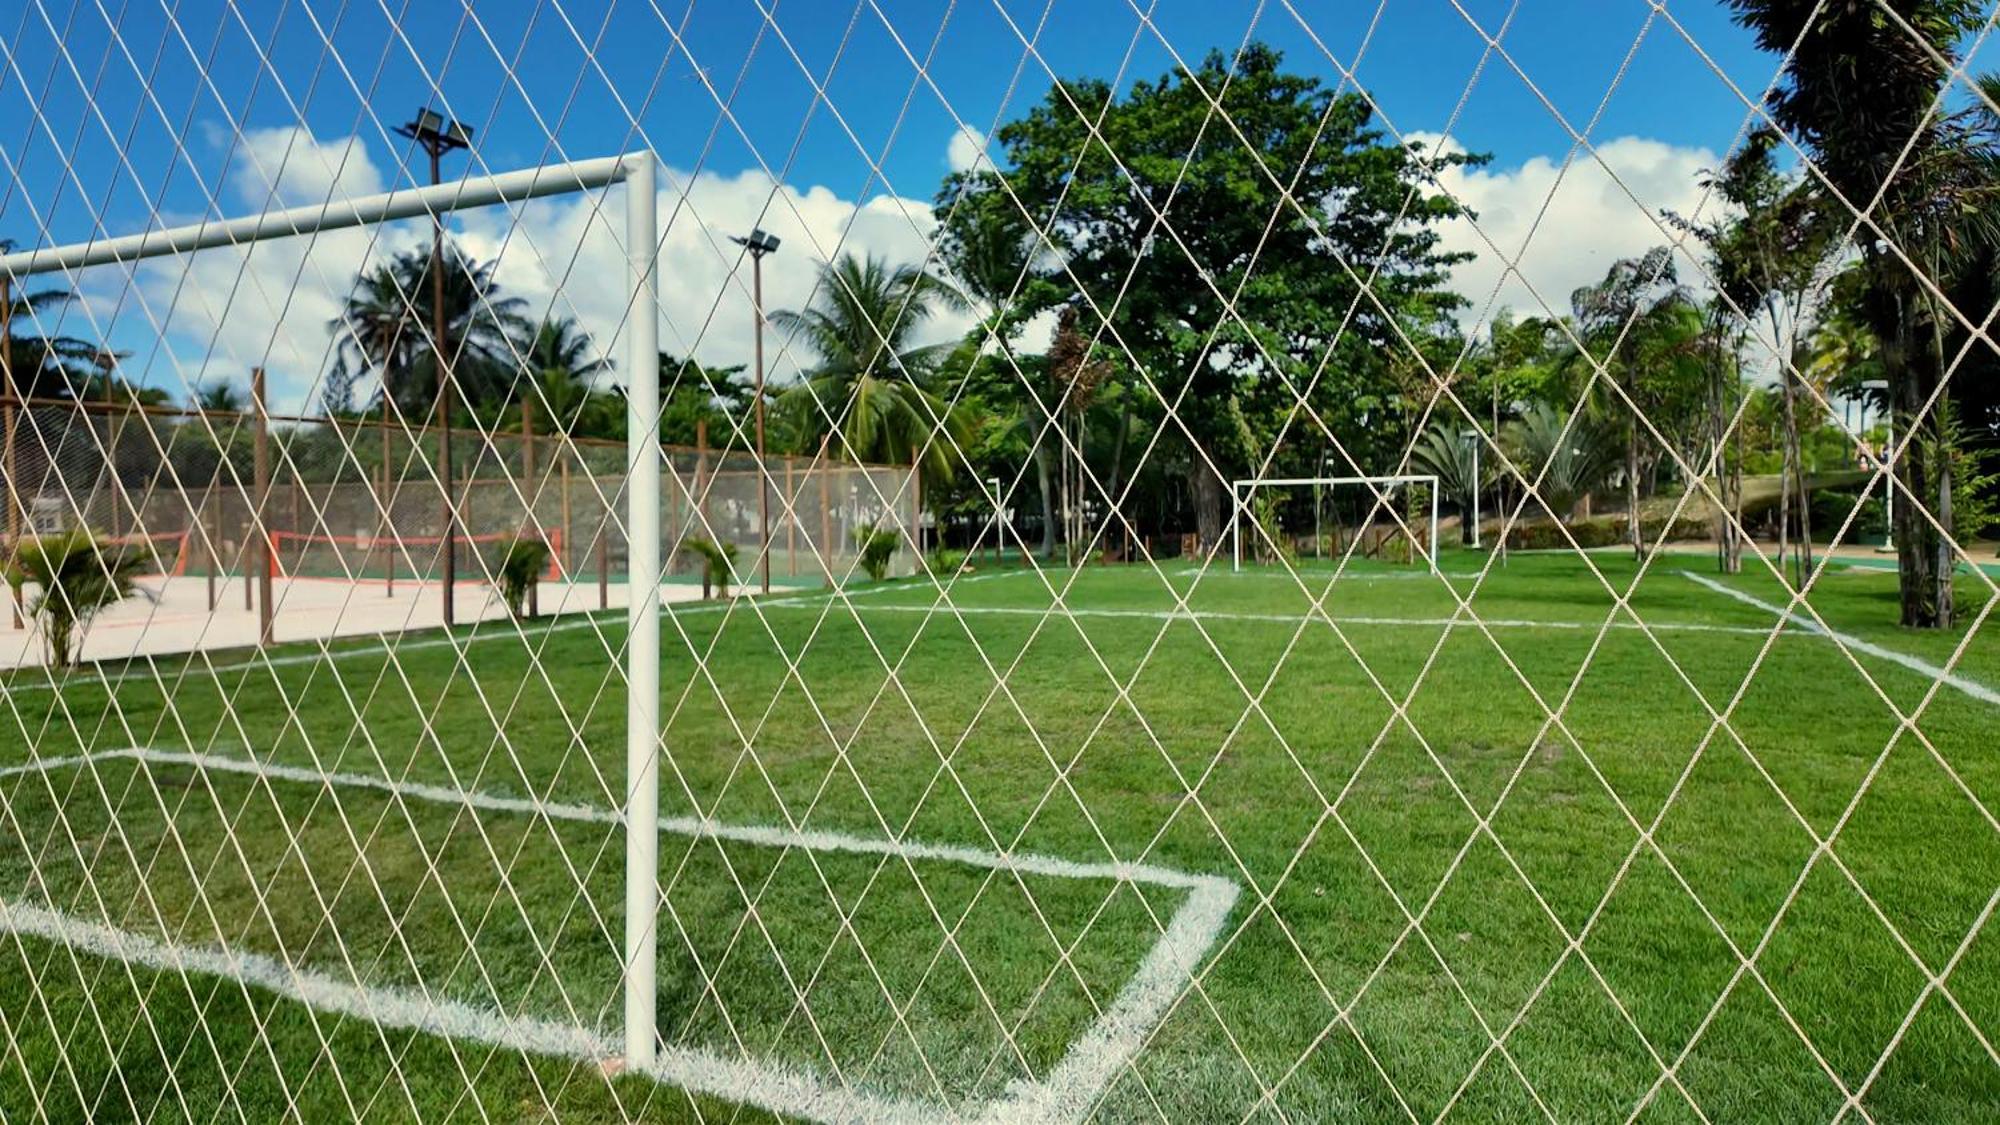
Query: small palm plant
x,y
877,546
718,563
523,560
75,575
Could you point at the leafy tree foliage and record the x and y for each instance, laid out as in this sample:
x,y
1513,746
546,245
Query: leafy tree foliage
x,y
1861,94
872,393
384,332
1253,240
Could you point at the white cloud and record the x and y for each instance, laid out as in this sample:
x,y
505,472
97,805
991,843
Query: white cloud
x,y
1590,219
227,310
967,149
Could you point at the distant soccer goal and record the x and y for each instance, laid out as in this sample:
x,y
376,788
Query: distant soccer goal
x,y
1387,518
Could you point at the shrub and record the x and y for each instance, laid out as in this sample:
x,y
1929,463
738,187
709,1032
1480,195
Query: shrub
x,y
1830,509
946,561
718,563
522,562
877,546
75,575
1601,531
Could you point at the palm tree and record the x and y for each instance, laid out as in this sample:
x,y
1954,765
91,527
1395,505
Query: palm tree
x,y
870,391
1562,458
384,331
44,365
991,253
74,575
1861,94
1619,321
561,359
219,397
1447,452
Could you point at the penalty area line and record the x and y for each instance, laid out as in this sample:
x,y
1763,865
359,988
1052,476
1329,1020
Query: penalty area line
x,y
1922,667
1067,1093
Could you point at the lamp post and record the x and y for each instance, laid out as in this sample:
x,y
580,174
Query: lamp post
x,y
438,135
757,245
1888,457
1472,439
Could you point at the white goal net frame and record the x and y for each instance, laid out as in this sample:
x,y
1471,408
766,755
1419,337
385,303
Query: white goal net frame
x,y
644,458
1241,511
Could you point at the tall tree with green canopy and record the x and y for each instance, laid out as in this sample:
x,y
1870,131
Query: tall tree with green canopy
x,y
870,390
1638,325
1863,96
1225,218
384,331
44,364
1768,257
990,251
562,360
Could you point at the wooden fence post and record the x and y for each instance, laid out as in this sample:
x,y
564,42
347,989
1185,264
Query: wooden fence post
x,y
826,544
388,537
791,521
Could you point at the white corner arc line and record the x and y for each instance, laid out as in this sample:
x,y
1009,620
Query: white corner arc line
x,y
1067,1094
1922,667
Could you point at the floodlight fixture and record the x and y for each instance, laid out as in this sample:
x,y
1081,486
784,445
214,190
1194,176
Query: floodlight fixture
x,y
759,243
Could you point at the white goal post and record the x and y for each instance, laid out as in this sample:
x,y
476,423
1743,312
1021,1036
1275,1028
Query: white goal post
x,y
1241,490
637,170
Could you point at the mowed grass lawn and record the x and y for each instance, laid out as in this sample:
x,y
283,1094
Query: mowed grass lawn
x,y
1584,888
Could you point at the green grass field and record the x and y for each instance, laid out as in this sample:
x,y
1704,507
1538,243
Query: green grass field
x,y
1537,832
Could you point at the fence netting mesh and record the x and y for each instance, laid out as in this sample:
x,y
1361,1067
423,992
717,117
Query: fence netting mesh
x,y
1402,561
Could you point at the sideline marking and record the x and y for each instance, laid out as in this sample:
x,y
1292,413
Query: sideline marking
x,y
379,643
1067,1094
1318,576
1973,688
1295,618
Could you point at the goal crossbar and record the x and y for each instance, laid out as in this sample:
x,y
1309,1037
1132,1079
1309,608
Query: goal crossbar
x,y
638,171
1239,506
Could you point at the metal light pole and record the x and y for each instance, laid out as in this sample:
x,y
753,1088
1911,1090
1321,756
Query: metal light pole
x,y
438,136
1472,439
757,245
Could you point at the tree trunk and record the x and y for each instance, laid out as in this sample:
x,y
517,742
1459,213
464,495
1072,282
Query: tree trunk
x,y
1794,483
1207,490
1117,483
1047,487
1735,562
1788,445
1918,546
1946,565
1632,530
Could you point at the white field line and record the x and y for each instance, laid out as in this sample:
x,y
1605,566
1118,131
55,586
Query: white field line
x,y
1066,1094
1313,577
366,644
1973,688
1338,619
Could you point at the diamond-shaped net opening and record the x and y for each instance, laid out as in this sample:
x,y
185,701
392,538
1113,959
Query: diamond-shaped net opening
x,y
1000,562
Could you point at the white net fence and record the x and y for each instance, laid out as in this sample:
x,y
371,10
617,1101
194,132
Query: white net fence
x,y
1586,712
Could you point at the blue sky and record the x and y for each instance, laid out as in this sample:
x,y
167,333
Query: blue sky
x,y
293,63
175,114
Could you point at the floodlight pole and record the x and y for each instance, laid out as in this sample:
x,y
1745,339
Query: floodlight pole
x,y
757,245
437,136
1472,439
642,706
642,687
